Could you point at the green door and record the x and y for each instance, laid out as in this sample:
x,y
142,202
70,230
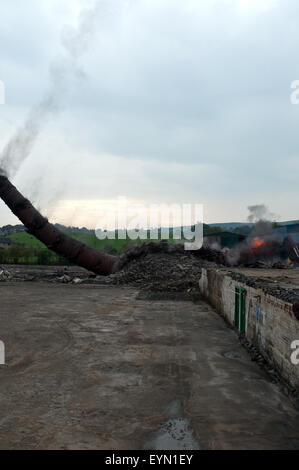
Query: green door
x,y
237,307
240,309
243,310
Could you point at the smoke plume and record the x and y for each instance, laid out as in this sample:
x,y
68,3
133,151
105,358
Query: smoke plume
x,y
259,212
61,73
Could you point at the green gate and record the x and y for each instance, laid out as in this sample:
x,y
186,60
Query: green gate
x,y
237,307
240,309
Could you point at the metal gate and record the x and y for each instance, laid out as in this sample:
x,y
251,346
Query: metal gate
x,y
240,309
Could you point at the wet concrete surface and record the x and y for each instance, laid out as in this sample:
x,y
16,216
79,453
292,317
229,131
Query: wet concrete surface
x,y
94,367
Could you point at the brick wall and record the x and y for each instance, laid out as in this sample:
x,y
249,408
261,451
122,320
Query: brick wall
x,y
270,322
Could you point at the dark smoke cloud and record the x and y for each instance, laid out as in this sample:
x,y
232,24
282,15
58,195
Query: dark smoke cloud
x,y
259,212
61,73
263,221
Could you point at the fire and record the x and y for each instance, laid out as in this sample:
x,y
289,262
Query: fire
x,y
257,243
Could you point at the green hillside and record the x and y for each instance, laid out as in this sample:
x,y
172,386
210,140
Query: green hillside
x,y
26,249
29,241
23,238
90,239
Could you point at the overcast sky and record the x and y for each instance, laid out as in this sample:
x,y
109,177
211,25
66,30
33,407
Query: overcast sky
x,y
165,101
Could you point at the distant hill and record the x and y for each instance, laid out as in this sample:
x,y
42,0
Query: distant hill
x,y
63,228
8,230
12,229
289,222
231,226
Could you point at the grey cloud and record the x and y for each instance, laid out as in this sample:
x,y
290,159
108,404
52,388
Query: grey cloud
x,y
200,96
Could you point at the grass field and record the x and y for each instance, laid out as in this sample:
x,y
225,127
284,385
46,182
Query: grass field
x,y
26,249
29,241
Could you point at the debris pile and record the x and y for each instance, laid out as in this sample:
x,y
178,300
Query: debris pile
x,y
66,279
23,273
155,267
174,249
158,270
4,275
162,273
162,269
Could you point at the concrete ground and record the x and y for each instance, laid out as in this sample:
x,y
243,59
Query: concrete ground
x,y
93,367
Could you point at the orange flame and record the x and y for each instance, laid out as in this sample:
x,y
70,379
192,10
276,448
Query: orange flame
x,y
257,243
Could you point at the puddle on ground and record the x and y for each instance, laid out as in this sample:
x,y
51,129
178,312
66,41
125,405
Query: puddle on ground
x,y
175,434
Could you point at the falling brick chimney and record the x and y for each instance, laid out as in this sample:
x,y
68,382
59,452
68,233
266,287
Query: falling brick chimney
x,y
54,239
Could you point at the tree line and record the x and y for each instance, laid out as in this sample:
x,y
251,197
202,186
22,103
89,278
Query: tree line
x,y
16,254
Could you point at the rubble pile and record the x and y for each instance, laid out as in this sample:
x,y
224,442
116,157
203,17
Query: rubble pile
x,y
174,249
4,275
162,268
159,267
267,264
23,273
154,267
161,272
